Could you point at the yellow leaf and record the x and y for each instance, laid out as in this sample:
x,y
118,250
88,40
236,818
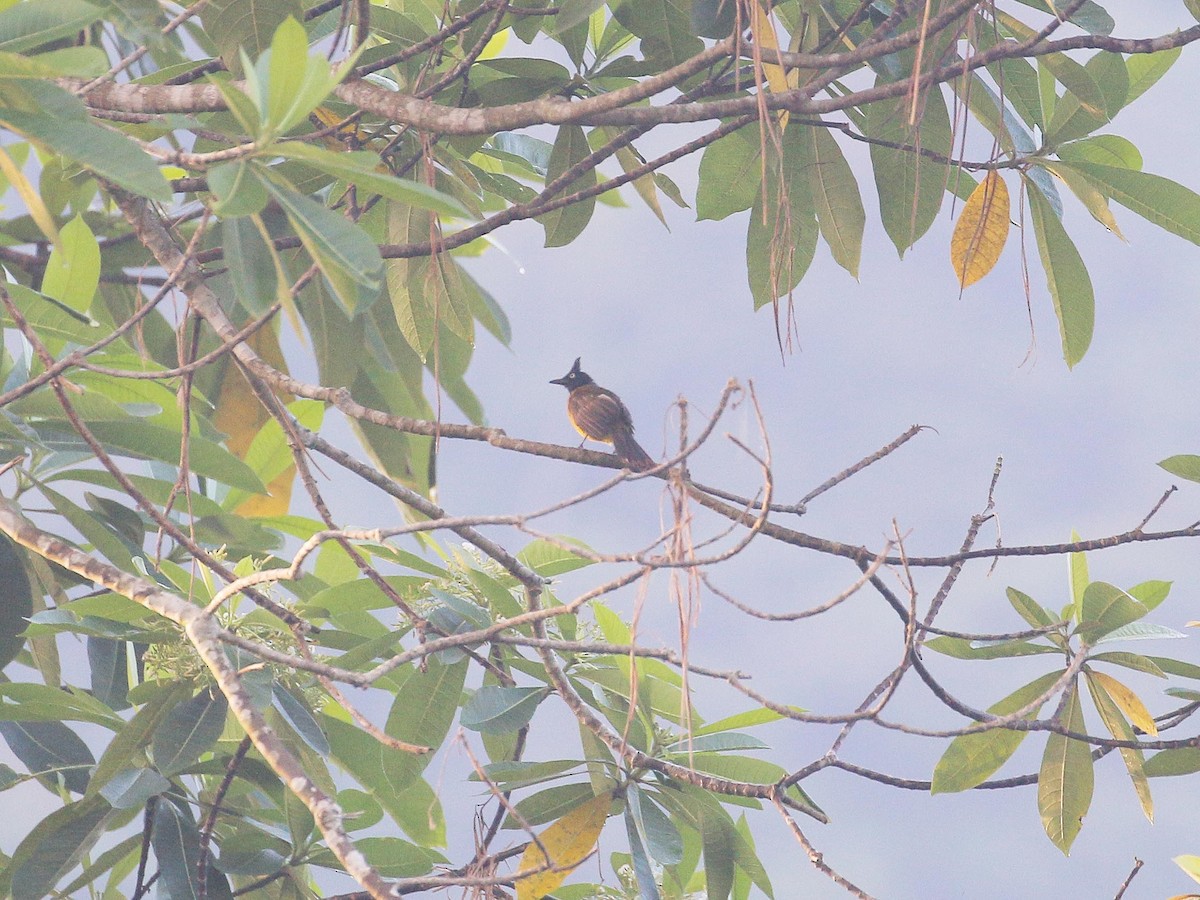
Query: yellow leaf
x,y
981,230
241,416
1129,702
29,196
568,841
763,30
1189,864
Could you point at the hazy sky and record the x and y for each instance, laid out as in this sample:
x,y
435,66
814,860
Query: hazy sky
x,y
655,314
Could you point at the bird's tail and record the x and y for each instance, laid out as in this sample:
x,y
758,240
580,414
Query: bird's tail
x,y
631,452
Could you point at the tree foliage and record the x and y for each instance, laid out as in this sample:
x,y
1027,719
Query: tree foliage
x,y
239,219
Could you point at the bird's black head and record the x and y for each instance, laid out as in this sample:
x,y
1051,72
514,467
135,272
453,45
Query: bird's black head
x,y
573,379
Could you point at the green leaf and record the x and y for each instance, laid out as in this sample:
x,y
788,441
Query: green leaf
x,y
1106,608
16,601
495,709
550,804
1089,15
363,169
1066,778
251,262
835,195
176,843
643,872
782,237
659,834
246,24
239,191
1166,203
513,774
298,716
1066,277
1150,593
28,702
740,720
715,743
53,847
1029,609
1175,761
1134,661
51,748
344,252
421,714
1146,68
131,788
1103,149
397,858
24,26
61,123
1184,465
1176,666
910,186
1141,631
143,440
960,648
665,27
1088,194
566,223
549,560
188,731
971,759
50,319
127,746
730,175
73,269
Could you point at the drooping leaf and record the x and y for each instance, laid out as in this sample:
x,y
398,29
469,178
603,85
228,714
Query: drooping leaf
x,y
910,186
834,190
422,713
348,258
1066,778
1111,699
730,175
643,871
566,223
782,237
659,834
981,230
1067,279
298,716
176,842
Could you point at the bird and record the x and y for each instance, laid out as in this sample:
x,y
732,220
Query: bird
x,y
598,414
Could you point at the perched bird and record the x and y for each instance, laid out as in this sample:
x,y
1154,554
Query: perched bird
x,y
597,413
